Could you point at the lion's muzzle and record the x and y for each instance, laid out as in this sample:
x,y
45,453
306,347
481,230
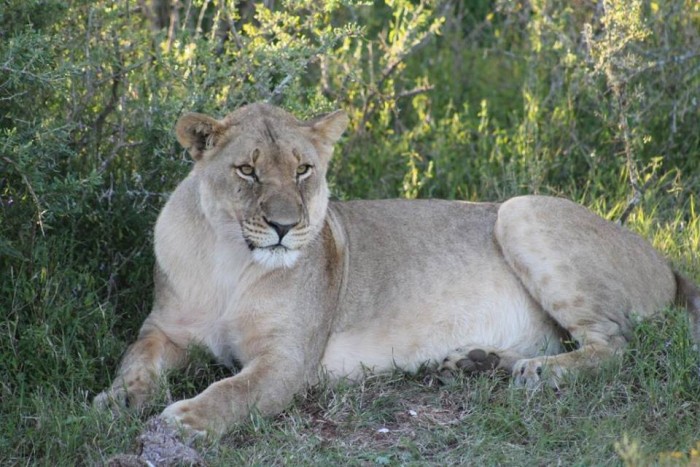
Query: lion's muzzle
x,y
281,229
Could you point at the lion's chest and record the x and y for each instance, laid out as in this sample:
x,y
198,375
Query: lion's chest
x,y
211,295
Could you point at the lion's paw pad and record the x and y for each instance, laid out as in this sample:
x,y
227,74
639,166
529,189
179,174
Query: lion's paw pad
x,y
468,362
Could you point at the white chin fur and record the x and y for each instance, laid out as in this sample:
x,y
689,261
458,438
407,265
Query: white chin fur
x,y
273,258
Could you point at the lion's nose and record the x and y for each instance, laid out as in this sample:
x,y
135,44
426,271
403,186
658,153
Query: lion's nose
x,y
281,229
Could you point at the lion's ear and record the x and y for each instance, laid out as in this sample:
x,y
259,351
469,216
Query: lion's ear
x,y
197,133
330,126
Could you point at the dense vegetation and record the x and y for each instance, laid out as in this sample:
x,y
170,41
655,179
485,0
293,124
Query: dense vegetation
x,y
479,100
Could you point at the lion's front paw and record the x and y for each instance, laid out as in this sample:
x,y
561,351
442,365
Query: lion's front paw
x,y
534,372
131,394
195,417
110,399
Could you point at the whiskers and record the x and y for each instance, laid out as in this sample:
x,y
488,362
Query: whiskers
x,y
267,248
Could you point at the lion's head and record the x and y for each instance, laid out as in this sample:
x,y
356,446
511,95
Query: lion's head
x,y
263,174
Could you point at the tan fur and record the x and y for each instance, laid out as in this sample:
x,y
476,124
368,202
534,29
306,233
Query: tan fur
x,y
254,263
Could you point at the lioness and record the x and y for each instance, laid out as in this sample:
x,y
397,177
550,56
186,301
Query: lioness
x,y
253,262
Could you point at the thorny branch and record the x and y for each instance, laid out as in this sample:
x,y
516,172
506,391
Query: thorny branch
x,y
632,169
367,108
115,150
39,210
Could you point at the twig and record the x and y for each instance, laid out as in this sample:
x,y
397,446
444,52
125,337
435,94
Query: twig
x,y
174,21
675,60
7,69
244,59
119,146
632,169
367,109
415,91
92,90
200,20
276,95
39,210
634,201
13,96
631,204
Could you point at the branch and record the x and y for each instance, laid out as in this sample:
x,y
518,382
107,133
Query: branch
x,y
389,69
415,91
632,168
35,198
635,200
277,93
13,96
678,59
119,146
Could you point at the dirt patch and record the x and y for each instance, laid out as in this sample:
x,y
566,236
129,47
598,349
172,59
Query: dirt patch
x,y
159,445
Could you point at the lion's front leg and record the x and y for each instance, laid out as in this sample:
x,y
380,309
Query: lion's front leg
x,y
268,384
140,370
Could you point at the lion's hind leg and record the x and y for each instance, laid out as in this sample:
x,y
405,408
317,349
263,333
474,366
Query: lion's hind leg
x,y
550,370
590,275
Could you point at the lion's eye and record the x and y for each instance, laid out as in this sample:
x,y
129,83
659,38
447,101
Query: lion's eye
x,y
303,169
246,170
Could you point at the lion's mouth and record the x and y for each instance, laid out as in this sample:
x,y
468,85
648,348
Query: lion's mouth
x,y
278,247
271,251
275,256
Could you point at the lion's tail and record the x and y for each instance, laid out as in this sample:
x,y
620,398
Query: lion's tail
x,y
688,295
